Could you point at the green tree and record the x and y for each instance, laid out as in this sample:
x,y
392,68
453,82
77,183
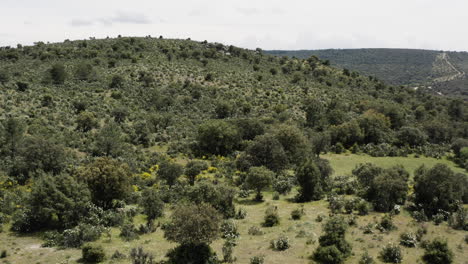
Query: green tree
x,y
217,137
312,183
4,76
153,206
109,141
85,72
437,252
194,227
220,196
107,179
266,150
194,168
86,121
55,202
170,171
439,188
259,178
333,248
12,136
58,74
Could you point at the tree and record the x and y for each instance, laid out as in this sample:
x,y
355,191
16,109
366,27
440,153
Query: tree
x,y
107,179
117,81
411,136
294,143
12,136
437,252
439,188
170,171
375,127
389,189
220,196
259,178
193,169
217,137
4,76
55,202
194,227
333,248
152,204
312,182
109,141
57,74
314,109
86,121
266,150
84,72
223,110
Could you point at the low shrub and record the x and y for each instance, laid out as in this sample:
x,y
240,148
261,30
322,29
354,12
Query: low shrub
x,y
271,217
257,260
280,244
93,254
297,213
240,214
229,229
408,239
255,231
391,254
139,256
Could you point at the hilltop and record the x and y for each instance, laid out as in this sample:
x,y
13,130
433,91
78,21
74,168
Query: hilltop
x,y
443,71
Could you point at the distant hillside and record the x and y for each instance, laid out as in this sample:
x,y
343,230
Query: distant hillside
x,y
443,71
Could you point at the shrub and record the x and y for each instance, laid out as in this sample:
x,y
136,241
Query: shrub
x,y
255,231
333,246
329,255
312,181
240,214
3,254
271,217
93,254
152,204
280,244
386,223
192,253
228,248
391,254
408,239
229,229
117,81
366,259
276,196
128,232
257,260
437,252
297,213
57,74
139,256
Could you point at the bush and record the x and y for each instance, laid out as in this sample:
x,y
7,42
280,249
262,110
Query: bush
x,y
329,255
3,254
255,231
280,244
139,256
229,229
297,213
152,204
391,254
57,74
192,253
240,214
271,217
117,81
128,232
408,239
366,259
257,260
386,224
437,252
93,254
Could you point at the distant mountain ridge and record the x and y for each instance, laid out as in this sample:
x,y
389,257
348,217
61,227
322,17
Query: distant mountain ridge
x,y
442,71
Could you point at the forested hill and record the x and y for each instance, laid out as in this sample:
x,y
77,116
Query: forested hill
x,y
442,71
117,97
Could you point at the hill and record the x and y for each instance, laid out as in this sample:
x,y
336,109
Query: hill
x,y
440,70
128,149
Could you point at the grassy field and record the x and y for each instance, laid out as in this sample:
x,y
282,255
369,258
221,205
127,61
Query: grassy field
x,y
344,163
303,233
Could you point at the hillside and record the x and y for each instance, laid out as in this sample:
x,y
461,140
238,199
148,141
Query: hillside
x,y
442,71
152,150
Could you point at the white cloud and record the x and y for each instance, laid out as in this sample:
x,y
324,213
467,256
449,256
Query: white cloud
x,y
269,24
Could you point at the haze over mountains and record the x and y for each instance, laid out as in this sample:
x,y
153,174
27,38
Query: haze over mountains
x,y
442,71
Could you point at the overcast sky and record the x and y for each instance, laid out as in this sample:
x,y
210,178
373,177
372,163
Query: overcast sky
x,y
269,24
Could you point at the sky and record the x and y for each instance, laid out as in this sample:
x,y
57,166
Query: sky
x,y
267,24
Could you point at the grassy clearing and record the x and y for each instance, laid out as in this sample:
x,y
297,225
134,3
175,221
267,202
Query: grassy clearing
x,y
303,234
344,163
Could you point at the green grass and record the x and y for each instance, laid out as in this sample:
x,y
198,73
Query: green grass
x,y
344,163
